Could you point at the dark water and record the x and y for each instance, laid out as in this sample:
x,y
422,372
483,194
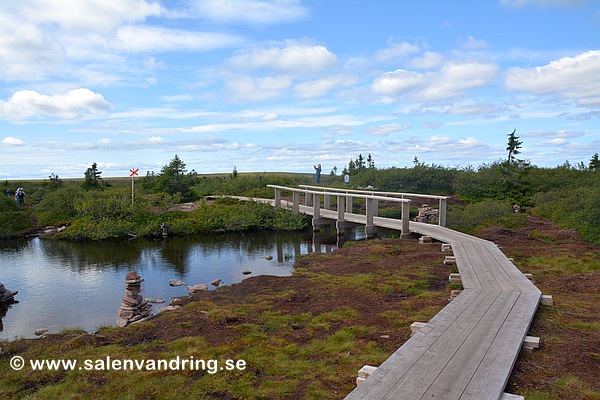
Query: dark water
x,y
79,285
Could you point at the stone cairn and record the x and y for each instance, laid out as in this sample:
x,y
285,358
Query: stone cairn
x,y
133,306
426,214
6,296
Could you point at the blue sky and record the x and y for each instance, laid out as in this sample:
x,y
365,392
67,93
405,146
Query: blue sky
x,y
282,85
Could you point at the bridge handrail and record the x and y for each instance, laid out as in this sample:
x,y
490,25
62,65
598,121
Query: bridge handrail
x,y
442,200
376,192
334,193
342,206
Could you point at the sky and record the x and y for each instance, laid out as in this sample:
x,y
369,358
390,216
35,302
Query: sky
x,y
281,85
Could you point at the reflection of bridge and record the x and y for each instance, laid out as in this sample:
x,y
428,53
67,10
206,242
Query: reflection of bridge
x,y
468,350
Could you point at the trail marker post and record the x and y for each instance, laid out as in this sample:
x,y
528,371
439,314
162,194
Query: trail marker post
x,y
133,174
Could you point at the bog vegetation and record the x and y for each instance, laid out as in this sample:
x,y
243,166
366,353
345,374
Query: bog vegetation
x,y
101,208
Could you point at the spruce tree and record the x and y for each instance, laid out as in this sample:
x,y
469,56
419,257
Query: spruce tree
x,y
513,146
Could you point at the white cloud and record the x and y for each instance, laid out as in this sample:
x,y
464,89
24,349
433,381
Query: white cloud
x,y
289,56
476,109
249,88
101,16
27,104
396,51
474,44
335,130
453,80
397,82
569,77
429,60
11,141
318,87
270,116
561,134
387,129
431,125
251,11
25,51
146,38
156,139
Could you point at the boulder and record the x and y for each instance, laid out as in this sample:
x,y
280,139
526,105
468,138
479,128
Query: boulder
x,y
197,288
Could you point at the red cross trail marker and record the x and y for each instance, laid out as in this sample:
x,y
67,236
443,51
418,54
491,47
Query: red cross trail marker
x,y
133,174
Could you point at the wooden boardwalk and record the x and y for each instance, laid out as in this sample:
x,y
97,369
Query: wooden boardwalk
x,y
468,350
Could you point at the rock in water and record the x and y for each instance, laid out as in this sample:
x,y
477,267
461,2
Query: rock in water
x,y
154,300
177,282
216,282
40,332
197,288
246,272
268,258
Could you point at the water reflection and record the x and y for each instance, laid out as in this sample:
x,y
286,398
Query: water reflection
x,y
66,284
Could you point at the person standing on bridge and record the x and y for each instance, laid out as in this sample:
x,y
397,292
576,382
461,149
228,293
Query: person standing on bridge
x,y
317,172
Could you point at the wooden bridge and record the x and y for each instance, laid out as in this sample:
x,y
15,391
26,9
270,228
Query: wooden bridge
x,y
468,350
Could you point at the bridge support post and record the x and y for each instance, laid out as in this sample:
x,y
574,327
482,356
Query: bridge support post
x,y
405,218
277,197
370,228
348,203
326,202
307,199
296,202
442,212
341,225
316,221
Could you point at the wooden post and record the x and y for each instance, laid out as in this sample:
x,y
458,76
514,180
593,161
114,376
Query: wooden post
x,y
316,221
442,212
370,229
341,209
307,199
326,201
295,201
348,202
277,197
405,218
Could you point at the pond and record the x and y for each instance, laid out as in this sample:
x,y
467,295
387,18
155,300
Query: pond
x,y
79,285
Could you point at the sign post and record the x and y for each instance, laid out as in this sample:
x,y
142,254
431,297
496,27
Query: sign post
x,y
133,174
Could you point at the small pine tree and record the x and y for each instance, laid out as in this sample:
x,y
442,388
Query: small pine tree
x,y
351,167
594,163
360,162
514,144
93,179
370,162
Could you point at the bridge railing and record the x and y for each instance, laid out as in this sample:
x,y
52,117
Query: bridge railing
x,y
442,200
312,202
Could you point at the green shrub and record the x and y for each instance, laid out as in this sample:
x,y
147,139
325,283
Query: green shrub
x,y
57,207
12,217
577,208
467,218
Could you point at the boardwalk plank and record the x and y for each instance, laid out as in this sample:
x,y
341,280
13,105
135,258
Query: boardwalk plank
x,y
415,382
494,371
457,373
